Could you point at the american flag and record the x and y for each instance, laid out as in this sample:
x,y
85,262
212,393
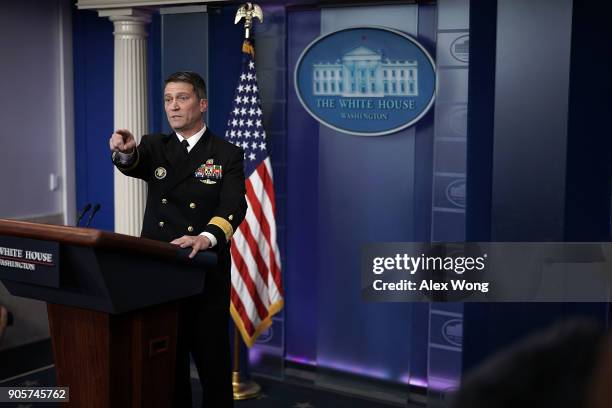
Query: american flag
x,y
257,292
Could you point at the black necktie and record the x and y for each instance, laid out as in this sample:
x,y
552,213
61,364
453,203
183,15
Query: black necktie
x,y
185,144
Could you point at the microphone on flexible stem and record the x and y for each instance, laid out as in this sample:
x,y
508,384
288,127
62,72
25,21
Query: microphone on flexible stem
x,y
82,213
96,208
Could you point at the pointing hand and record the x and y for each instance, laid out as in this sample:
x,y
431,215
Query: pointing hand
x,y
122,141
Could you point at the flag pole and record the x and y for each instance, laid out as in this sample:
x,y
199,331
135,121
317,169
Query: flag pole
x,y
242,387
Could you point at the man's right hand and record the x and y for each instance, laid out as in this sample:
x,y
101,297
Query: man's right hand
x,y
122,141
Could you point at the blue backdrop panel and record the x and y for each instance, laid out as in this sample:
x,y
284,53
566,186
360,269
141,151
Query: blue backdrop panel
x,y
542,206
93,108
270,59
365,194
589,164
93,113
225,57
184,40
302,192
424,135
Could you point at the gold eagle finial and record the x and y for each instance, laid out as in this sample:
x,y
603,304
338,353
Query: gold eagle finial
x,y
248,11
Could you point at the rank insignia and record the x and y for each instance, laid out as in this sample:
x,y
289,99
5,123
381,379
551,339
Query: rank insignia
x,y
160,173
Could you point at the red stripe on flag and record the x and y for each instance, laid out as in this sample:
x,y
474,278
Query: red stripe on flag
x,y
276,274
239,306
252,243
243,269
255,206
258,211
267,183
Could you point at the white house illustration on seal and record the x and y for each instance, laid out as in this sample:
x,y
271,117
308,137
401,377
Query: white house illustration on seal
x,y
363,73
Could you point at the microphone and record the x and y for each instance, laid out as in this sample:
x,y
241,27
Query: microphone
x,y
96,208
82,213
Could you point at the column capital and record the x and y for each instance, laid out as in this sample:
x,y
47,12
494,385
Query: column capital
x,y
128,22
136,14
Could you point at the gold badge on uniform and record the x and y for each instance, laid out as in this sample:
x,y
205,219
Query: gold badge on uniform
x,y
208,172
160,173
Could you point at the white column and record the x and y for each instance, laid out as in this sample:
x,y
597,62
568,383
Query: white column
x,y
130,108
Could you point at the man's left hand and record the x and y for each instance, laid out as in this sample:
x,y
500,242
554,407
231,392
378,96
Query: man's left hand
x,y
198,243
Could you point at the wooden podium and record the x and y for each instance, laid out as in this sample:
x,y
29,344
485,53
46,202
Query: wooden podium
x,y
112,303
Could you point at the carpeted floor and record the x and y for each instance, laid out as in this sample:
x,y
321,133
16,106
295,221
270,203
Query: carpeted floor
x,y
284,395
275,394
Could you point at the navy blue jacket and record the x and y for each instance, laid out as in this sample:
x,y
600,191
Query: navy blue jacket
x,y
191,193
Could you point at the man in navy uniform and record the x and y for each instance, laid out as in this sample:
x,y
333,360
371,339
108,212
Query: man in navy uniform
x,y
196,198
